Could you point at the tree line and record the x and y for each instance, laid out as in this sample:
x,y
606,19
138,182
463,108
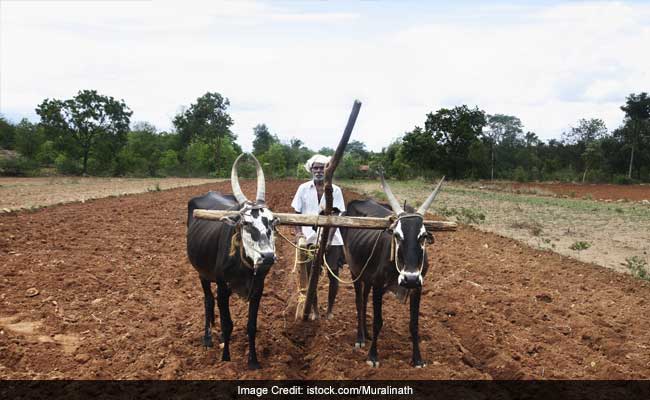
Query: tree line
x,y
92,134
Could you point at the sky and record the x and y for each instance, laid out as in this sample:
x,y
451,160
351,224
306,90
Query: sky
x,y
297,66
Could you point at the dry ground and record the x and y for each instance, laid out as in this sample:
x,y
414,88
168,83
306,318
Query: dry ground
x,y
117,298
19,193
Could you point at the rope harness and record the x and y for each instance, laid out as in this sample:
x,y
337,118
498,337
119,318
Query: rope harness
x,y
394,245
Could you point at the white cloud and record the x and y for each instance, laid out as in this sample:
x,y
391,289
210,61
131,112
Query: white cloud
x,y
299,69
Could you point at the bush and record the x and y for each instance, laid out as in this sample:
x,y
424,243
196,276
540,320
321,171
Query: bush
x,y
624,180
18,166
520,175
67,166
638,267
168,163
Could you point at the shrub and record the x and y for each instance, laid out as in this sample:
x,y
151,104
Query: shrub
x,y
579,246
18,166
624,180
638,267
67,166
520,175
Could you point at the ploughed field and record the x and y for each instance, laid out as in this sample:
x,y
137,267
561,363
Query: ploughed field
x,y
103,289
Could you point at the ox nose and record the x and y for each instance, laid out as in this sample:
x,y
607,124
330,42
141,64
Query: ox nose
x,y
410,280
268,258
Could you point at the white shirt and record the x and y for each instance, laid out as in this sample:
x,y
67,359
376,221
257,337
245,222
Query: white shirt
x,y
306,202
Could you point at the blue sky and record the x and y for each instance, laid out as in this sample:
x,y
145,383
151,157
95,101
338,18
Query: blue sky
x,y
297,66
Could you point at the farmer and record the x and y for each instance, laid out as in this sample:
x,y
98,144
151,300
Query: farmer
x,y
309,200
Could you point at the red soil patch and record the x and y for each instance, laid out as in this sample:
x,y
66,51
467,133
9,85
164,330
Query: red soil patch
x,y
596,191
119,300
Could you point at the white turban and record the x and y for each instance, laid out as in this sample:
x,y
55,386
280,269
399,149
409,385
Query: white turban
x,y
316,158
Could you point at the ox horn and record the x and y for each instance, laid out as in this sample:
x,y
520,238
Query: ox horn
x,y
261,183
234,181
397,209
427,203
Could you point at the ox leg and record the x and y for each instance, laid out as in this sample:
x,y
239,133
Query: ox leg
x,y
223,301
253,306
377,322
364,313
208,301
413,327
334,261
361,308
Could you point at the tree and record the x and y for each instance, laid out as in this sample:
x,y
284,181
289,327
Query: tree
x,y
454,130
587,131
419,148
592,155
586,139
6,134
86,120
263,139
501,128
28,138
357,149
637,122
207,121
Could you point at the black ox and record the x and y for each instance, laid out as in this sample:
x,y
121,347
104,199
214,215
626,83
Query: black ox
x,y
392,260
236,253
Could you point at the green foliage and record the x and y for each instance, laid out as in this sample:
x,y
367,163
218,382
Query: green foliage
x,y
207,121
580,245
67,166
28,138
18,166
168,163
85,122
638,267
273,161
7,132
263,139
520,175
200,159
464,215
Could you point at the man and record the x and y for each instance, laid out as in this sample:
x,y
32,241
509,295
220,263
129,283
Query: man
x,y
310,200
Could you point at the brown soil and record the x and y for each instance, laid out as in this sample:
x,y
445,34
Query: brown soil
x,y
595,191
117,299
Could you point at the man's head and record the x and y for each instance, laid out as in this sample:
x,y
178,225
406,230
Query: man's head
x,y
316,166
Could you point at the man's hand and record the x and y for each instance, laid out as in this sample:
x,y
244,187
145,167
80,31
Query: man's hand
x,y
297,233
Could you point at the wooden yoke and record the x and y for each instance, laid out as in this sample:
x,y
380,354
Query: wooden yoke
x,y
328,220
329,200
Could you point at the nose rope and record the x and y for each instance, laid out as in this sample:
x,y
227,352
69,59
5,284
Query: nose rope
x,y
396,245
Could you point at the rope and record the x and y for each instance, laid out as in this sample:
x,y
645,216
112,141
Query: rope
x,y
306,249
362,269
424,256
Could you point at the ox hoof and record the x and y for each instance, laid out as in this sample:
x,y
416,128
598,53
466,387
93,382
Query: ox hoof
x,y
420,365
207,342
314,316
329,316
359,345
222,345
254,365
373,364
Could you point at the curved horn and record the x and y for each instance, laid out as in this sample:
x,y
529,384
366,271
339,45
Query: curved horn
x,y
261,183
391,197
234,181
427,203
